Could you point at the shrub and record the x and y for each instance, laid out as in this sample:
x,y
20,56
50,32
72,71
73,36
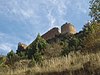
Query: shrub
x,y
38,57
22,55
12,58
32,63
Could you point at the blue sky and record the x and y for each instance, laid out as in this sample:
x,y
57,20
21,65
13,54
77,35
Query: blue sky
x,y
22,20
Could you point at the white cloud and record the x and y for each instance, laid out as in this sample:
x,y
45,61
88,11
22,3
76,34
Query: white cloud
x,y
51,19
18,10
60,8
22,13
6,47
8,42
60,5
81,8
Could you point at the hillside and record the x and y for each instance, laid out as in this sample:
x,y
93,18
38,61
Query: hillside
x,y
64,54
59,51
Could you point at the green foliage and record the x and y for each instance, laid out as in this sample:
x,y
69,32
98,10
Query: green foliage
x,y
38,57
65,48
22,55
92,36
95,9
74,43
71,44
65,51
10,54
36,48
88,39
12,57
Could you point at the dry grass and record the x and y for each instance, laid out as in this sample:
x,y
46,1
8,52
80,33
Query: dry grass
x,y
75,61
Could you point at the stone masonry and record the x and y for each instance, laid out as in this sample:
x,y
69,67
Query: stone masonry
x,y
68,28
51,33
65,28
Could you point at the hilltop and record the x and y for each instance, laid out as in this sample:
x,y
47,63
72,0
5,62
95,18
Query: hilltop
x,y
53,38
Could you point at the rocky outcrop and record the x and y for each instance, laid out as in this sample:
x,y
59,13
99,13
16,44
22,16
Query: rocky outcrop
x,y
21,47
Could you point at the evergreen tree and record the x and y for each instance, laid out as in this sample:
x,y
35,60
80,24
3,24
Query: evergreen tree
x,y
95,9
12,57
36,48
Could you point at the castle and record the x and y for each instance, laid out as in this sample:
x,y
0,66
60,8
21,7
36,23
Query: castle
x,y
65,28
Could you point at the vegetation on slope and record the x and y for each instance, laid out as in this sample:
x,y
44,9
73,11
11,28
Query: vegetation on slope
x,y
66,54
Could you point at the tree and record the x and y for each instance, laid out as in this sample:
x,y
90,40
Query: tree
x,y
10,54
91,36
74,43
36,48
65,48
95,10
12,57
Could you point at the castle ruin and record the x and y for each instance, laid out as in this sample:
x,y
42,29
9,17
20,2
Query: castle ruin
x,y
66,28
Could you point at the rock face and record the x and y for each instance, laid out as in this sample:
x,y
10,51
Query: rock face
x,y
51,33
68,28
21,47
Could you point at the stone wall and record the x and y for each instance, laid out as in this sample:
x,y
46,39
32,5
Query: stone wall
x,y
51,33
68,28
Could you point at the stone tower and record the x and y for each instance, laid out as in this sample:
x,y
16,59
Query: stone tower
x,y
68,28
